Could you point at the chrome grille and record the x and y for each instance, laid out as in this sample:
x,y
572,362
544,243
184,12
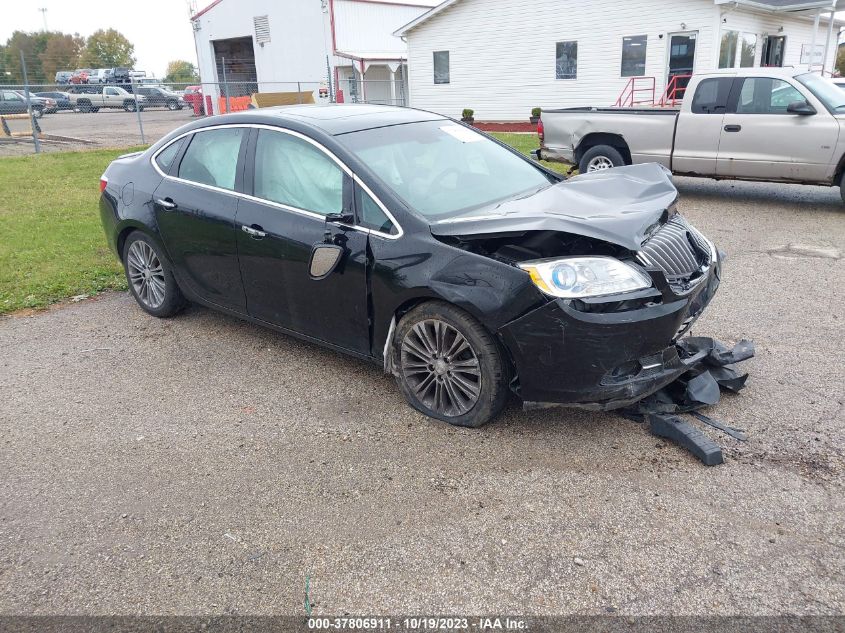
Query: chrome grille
x,y
677,249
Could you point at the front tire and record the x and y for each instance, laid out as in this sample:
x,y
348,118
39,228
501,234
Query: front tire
x,y
150,277
449,367
172,106
129,106
599,158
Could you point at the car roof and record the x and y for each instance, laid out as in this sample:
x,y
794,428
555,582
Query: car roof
x,y
337,118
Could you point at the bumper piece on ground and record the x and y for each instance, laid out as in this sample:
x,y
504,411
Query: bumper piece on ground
x,y
686,435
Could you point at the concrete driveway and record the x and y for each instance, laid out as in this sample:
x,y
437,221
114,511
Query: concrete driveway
x,y
205,465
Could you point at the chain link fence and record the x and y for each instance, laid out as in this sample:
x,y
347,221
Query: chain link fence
x,y
49,117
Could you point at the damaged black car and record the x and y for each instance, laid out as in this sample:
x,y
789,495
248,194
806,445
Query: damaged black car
x,y
403,237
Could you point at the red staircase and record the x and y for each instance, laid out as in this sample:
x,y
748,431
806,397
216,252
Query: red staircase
x,y
674,91
641,91
632,94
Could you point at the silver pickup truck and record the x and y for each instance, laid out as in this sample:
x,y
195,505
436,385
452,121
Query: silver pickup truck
x,y
769,124
92,97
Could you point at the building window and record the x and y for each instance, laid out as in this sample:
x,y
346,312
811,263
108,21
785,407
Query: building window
x,y
566,60
738,49
441,67
633,55
727,51
748,50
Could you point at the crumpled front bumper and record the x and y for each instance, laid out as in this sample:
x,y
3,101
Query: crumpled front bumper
x,y
603,360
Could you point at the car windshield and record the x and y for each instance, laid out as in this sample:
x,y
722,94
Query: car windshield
x,y
825,91
442,169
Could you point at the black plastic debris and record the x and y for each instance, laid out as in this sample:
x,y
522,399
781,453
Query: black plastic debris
x,y
712,368
685,434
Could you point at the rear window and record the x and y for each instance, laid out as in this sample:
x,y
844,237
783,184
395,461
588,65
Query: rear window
x,y
165,158
212,157
711,96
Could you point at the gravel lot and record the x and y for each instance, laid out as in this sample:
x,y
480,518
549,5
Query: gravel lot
x,y
106,128
205,465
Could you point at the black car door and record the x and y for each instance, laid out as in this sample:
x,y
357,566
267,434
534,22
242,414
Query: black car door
x,y
294,184
195,207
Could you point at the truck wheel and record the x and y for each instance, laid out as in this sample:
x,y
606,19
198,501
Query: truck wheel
x,y
95,110
38,112
129,106
599,158
842,190
173,105
84,106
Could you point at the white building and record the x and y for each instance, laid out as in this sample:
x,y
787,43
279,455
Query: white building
x,y
299,45
503,57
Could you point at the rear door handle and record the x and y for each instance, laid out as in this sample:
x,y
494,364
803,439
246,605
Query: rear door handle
x,y
255,231
733,128
166,203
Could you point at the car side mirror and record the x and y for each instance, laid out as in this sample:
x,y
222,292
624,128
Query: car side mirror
x,y
324,260
800,107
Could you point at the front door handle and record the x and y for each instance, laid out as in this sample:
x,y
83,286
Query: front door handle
x,y
166,203
733,128
254,231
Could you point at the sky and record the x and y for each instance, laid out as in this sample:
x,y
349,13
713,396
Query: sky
x,y
159,29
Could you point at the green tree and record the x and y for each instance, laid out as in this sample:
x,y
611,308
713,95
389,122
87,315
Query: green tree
x,y
840,59
31,45
181,72
61,53
107,49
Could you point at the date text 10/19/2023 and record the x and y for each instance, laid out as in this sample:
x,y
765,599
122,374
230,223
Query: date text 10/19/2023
x,y
418,623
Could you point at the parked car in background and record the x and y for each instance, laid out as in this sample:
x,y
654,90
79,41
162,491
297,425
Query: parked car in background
x,y
120,75
62,99
14,102
81,76
99,76
160,98
63,77
723,129
192,95
91,98
407,239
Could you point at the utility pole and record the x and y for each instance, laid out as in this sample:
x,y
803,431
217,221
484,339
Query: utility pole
x,y
44,17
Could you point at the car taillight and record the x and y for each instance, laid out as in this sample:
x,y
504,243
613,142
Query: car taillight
x,y
540,130
103,182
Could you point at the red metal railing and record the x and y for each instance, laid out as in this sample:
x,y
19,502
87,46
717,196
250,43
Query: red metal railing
x,y
674,91
630,95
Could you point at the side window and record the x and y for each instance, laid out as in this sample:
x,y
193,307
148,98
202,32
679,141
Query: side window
x,y
711,96
212,157
764,95
293,172
165,158
441,67
370,215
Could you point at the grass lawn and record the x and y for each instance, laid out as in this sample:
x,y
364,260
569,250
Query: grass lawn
x,y
51,243
525,143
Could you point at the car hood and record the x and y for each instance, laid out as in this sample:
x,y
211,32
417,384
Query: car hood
x,y
618,205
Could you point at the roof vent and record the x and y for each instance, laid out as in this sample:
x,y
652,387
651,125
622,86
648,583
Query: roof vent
x,y
262,29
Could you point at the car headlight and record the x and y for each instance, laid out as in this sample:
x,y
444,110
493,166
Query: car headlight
x,y
577,277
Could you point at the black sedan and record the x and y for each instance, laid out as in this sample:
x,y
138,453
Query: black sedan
x,y
160,98
467,270
62,99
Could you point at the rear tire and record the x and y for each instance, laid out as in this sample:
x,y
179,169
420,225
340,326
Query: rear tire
x,y
449,367
129,106
599,158
150,277
842,190
84,106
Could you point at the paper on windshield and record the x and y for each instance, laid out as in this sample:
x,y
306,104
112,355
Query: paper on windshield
x,y
464,135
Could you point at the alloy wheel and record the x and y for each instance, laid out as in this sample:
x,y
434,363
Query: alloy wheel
x,y
441,368
599,163
146,274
